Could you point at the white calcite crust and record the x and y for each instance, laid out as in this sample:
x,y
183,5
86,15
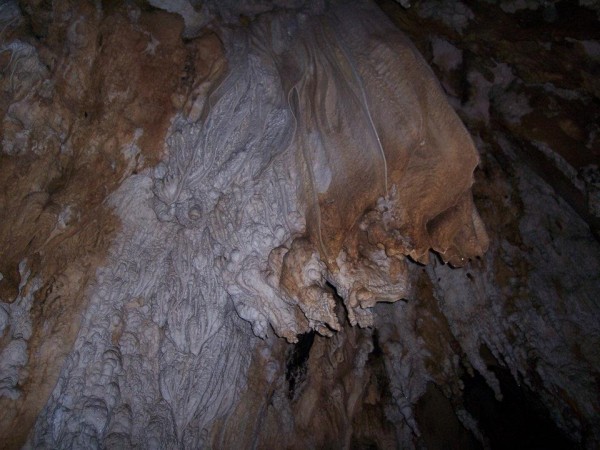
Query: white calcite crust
x,y
271,207
290,178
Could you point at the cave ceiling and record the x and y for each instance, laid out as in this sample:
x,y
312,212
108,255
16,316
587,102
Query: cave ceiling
x,y
299,224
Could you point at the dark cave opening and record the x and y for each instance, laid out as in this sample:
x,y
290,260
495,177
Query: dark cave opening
x,y
377,350
296,362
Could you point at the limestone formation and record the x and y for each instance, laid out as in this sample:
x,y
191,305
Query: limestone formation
x,y
211,213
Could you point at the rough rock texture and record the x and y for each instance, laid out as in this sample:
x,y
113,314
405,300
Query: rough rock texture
x,y
186,184
87,98
535,117
529,75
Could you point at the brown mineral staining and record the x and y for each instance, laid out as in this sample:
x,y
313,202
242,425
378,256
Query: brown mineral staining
x,y
307,286
387,165
300,196
426,161
554,72
91,107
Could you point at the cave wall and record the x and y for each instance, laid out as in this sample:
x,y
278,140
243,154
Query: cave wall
x,y
206,204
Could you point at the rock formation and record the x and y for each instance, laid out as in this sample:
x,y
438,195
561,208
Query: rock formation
x,y
253,224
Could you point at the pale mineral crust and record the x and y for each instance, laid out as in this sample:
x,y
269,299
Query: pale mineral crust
x,y
252,225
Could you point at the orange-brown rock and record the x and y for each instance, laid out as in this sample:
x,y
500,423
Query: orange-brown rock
x,y
201,200
86,101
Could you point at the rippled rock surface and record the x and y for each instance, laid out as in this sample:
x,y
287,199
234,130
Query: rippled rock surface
x,y
253,224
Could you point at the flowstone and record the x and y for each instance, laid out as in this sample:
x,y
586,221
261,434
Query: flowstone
x,y
324,158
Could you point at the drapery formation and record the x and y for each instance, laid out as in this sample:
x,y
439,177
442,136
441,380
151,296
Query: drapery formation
x,y
192,202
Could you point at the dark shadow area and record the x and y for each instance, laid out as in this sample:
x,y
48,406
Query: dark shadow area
x,y
519,421
297,357
439,425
